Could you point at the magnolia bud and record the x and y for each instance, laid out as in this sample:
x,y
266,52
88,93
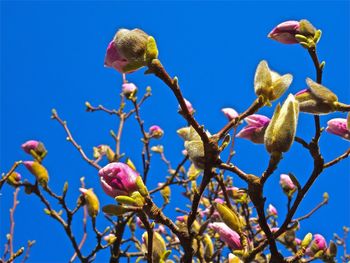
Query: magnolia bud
x,y
208,247
35,148
255,130
230,113
92,203
280,133
130,50
129,90
229,217
14,179
270,84
287,184
115,210
227,235
339,126
285,32
271,210
102,150
317,99
118,179
166,193
38,171
159,246
188,106
156,132
110,239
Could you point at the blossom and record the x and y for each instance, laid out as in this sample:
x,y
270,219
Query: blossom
x,y
227,235
255,130
285,32
280,133
156,132
230,113
339,126
118,179
130,50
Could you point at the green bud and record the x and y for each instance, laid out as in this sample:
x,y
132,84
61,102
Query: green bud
x,y
306,241
166,193
208,247
230,218
306,28
14,179
65,188
159,247
140,201
332,249
141,186
92,202
115,210
125,200
157,149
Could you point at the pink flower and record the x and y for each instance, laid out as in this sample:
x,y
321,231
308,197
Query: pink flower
x,y
230,113
155,131
272,210
118,179
286,183
230,237
285,32
30,145
318,243
129,90
338,126
188,106
36,146
255,130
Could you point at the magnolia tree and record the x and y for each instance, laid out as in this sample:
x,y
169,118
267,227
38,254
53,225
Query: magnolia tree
x,y
223,223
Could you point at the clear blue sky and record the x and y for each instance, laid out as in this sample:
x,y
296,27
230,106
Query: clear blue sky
x,y
52,56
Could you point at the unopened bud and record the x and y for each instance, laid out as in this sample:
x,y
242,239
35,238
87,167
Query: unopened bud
x,y
92,203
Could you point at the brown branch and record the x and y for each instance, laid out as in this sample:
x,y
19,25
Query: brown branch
x,y
26,255
234,169
71,139
12,220
324,202
338,159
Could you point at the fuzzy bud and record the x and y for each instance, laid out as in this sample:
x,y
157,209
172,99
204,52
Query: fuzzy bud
x,y
38,171
156,132
280,133
92,203
287,184
271,210
130,50
35,148
227,235
339,127
270,84
255,130
159,247
230,217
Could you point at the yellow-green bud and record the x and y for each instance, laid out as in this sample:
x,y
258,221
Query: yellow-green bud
x,y
230,217
38,171
92,203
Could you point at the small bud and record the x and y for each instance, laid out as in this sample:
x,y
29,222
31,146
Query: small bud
x,y
306,241
118,179
92,203
130,50
271,210
115,210
229,217
65,188
155,132
142,189
14,179
230,113
35,148
285,32
280,133
157,149
126,200
287,184
159,246
339,127
110,239
317,99
270,84
306,28
332,249
38,171
255,130
227,235
140,201
129,90
325,197
188,106
166,193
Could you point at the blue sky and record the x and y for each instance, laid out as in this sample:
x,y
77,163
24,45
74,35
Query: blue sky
x,y
52,55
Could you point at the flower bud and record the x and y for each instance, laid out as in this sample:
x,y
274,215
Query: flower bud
x,y
102,150
118,179
92,203
306,241
129,90
270,84
317,99
339,126
230,113
271,210
230,217
318,243
188,106
35,148
13,179
130,50
38,171
255,130
115,210
280,133
166,193
227,235
285,32
110,239
159,246
156,132
287,184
